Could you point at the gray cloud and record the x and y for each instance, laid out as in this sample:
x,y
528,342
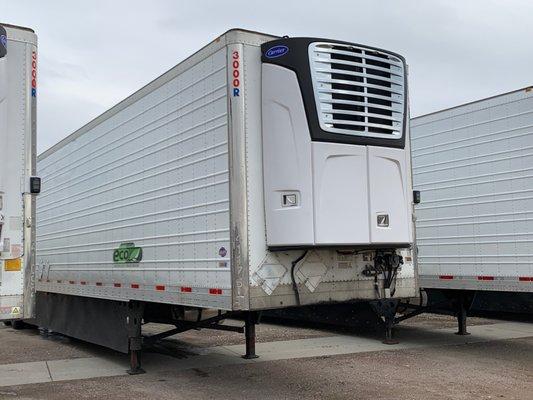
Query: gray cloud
x,y
95,53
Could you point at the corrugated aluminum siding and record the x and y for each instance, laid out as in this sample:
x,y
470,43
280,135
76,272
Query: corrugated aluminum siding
x,y
474,167
154,174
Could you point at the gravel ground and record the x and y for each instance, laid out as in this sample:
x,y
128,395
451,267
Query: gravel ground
x,y
268,332
443,321
496,370
265,332
28,345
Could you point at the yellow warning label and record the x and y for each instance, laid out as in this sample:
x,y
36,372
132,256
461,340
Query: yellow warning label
x,y
15,310
13,265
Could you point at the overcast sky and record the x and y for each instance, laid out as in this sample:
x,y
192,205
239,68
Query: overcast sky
x,y
95,53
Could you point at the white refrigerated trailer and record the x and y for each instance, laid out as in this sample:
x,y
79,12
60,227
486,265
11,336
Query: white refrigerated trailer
x,y
18,185
473,166
259,173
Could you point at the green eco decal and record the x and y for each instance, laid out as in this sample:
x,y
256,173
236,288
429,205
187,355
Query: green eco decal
x,y
127,253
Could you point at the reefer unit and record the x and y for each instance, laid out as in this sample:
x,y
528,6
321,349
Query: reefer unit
x,y
258,173
472,164
18,95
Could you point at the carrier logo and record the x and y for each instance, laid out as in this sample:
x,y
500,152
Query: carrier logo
x,y
127,253
276,51
383,220
34,74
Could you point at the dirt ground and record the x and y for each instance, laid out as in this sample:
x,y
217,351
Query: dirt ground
x,y
28,345
501,369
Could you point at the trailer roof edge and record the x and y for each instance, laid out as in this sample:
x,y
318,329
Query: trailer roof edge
x,y
230,36
17,27
525,88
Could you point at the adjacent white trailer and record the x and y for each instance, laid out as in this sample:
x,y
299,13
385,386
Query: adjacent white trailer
x,y
18,96
259,173
472,164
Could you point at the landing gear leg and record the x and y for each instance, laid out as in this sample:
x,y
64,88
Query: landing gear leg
x,y
464,301
135,363
386,309
249,332
133,321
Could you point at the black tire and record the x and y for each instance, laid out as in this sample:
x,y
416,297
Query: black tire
x,y
18,324
7,323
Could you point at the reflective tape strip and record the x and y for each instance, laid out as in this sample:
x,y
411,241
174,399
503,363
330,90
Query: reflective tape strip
x,y
160,288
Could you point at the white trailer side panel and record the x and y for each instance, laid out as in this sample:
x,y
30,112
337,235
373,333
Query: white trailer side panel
x,y
18,97
152,176
473,165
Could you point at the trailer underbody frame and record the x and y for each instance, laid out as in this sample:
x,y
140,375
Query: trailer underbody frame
x,y
119,325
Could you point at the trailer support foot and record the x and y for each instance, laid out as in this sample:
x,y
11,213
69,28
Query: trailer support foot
x,y
250,320
135,340
135,363
464,301
386,309
388,336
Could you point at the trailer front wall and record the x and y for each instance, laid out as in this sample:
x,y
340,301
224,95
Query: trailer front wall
x,y
473,165
325,274
137,205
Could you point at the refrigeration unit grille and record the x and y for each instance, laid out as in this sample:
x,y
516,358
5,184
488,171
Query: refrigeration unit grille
x,y
358,91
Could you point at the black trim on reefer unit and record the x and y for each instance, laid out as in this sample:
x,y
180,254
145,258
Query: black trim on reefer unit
x,y
296,58
3,42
